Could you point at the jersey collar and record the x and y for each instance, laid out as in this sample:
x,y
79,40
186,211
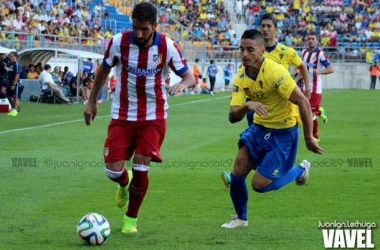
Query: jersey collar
x,y
316,50
156,39
254,77
270,49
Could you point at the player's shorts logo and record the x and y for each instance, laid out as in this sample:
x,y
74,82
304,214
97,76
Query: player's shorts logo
x,y
106,151
157,58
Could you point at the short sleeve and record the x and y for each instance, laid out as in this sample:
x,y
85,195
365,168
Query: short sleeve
x,y
324,60
177,63
294,58
109,59
238,95
283,83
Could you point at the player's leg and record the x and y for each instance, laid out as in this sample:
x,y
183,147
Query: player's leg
x,y
314,103
318,110
15,100
276,169
137,190
118,148
148,140
239,193
226,83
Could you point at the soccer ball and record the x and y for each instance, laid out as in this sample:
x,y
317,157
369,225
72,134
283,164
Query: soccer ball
x,y
93,229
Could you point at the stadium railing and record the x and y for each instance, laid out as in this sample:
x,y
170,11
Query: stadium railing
x,y
52,41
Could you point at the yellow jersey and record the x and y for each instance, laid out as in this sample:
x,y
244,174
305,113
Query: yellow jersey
x,y
283,55
272,87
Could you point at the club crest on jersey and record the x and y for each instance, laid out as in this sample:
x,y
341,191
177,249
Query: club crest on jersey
x,y
106,151
157,58
261,84
281,56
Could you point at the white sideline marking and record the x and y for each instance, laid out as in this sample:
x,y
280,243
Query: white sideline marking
x,y
97,117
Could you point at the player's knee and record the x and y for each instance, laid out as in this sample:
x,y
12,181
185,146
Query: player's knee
x,y
260,187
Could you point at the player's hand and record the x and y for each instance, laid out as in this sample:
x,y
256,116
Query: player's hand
x,y
179,87
13,87
315,72
89,113
307,94
313,146
258,107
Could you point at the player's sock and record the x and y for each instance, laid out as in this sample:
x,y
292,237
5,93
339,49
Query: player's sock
x,y
239,195
290,176
315,127
137,189
119,177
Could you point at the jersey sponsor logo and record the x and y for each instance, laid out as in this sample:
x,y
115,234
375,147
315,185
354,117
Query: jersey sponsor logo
x,y
259,95
142,72
246,90
157,58
278,82
283,49
235,88
310,64
241,76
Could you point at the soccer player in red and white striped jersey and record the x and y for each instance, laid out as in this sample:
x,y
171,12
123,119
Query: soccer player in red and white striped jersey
x,y
317,64
142,58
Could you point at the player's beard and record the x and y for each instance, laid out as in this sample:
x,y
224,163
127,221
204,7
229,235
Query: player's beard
x,y
141,42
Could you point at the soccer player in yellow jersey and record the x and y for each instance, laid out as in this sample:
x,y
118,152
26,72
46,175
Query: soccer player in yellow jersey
x,y
269,145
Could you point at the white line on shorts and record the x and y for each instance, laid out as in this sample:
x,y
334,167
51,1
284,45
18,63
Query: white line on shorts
x,y
98,117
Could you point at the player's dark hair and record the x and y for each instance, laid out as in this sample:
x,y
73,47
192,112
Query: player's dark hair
x,y
312,33
196,60
47,67
211,61
269,16
14,53
254,34
145,12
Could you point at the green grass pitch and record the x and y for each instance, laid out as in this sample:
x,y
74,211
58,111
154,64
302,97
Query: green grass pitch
x,y
41,201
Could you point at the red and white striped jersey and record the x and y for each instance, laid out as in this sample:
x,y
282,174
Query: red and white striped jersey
x,y
315,60
140,93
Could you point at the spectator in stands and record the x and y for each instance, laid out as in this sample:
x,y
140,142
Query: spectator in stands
x,y
10,6
48,84
289,40
48,5
31,73
108,34
17,23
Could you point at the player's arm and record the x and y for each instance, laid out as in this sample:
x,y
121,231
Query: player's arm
x,y
303,104
90,109
188,80
237,113
328,70
305,75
